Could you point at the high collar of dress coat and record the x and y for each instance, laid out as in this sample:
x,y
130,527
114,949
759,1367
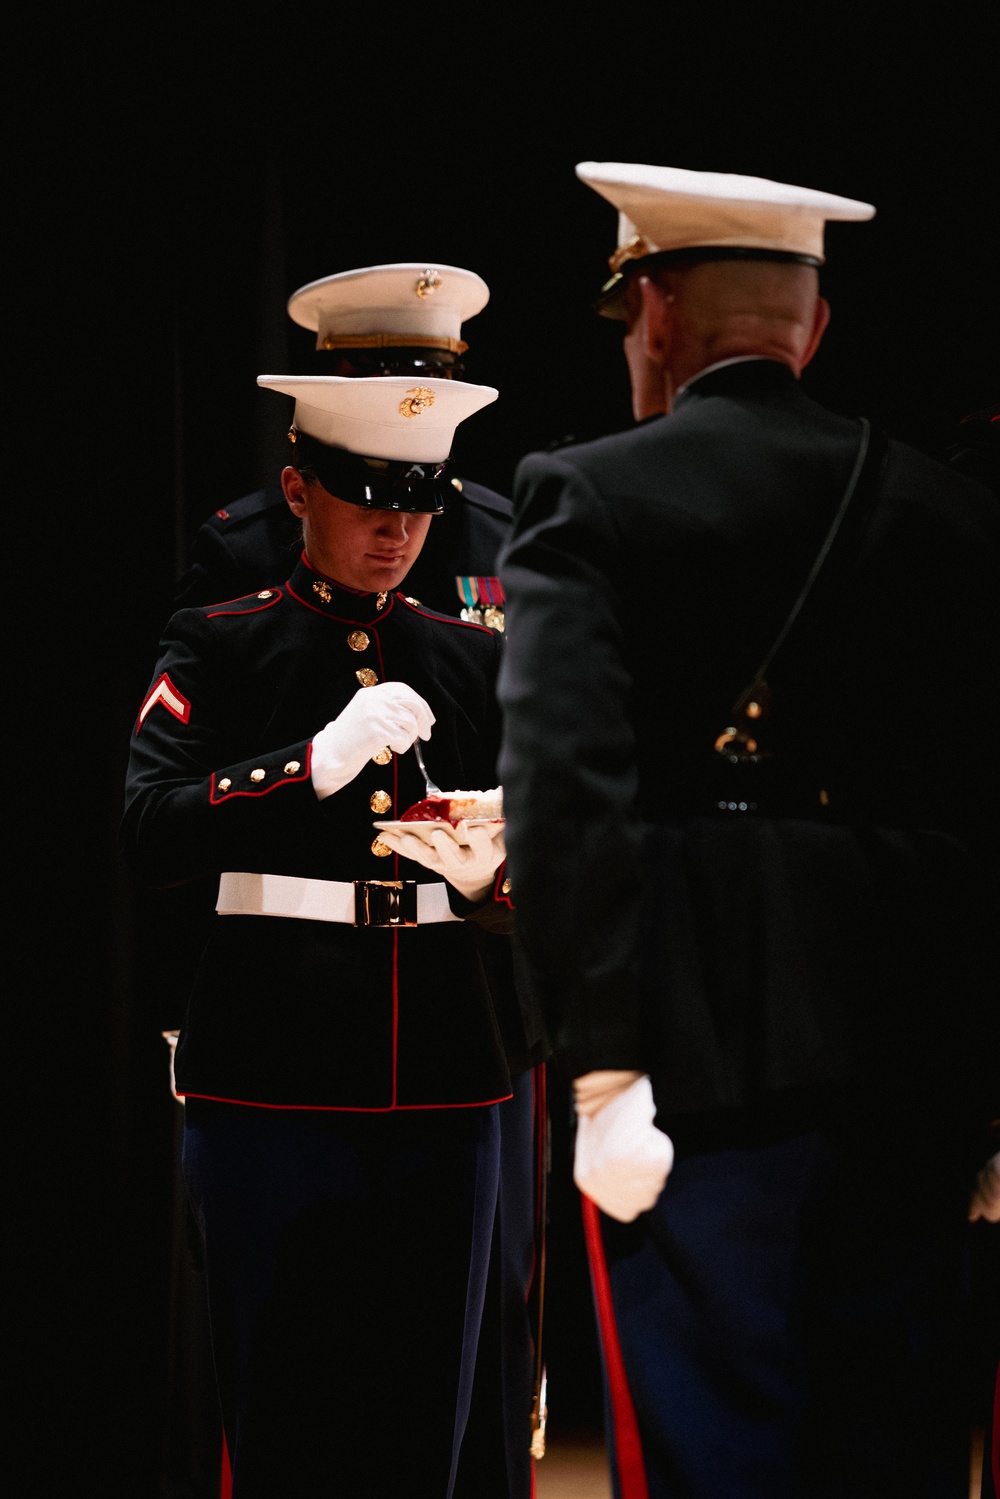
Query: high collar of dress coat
x,y
335,600
745,373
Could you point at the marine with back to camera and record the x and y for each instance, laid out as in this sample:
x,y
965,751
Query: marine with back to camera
x,y
756,886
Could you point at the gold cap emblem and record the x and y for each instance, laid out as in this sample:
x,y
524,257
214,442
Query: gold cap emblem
x,y
429,283
634,249
417,400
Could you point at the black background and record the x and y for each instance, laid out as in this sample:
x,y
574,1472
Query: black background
x,y
173,180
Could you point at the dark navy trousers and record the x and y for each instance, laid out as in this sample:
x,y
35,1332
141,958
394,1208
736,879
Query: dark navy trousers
x,y
346,1257
495,1461
787,1321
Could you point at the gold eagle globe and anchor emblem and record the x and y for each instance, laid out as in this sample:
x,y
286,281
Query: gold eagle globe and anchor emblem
x,y
429,283
417,400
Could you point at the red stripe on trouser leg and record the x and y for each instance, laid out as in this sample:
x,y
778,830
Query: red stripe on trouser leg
x,y
226,1486
627,1446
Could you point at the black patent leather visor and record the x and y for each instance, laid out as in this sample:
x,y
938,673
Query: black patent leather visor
x,y
376,483
611,298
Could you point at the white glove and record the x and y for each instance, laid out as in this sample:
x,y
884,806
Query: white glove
x,y
985,1201
621,1161
171,1038
594,1089
467,858
388,715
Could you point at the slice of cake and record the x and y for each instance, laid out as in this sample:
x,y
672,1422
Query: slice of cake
x,y
455,806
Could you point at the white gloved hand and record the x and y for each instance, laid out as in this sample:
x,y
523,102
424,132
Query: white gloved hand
x,y
467,857
171,1038
621,1161
594,1089
985,1202
389,715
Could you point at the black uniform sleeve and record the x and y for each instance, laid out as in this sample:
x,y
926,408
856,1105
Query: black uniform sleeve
x,y
567,764
188,809
495,912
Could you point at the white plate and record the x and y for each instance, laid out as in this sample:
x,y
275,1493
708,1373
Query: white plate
x,y
430,825
440,822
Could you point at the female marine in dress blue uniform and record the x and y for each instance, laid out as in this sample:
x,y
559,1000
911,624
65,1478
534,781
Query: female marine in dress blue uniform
x,y
340,1058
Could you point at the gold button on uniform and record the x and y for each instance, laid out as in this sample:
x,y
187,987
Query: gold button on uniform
x,y
225,783
358,640
292,767
380,849
380,802
382,756
366,676
257,775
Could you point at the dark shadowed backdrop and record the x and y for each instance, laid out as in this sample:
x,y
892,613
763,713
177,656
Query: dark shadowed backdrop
x,y
170,190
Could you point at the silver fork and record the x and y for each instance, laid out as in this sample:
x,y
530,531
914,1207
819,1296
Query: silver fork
x,y
432,789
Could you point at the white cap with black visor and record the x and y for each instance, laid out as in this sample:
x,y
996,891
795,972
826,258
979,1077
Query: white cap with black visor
x,y
413,304
383,442
668,215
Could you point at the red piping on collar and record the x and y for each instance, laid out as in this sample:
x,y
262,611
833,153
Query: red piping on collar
x,y
345,619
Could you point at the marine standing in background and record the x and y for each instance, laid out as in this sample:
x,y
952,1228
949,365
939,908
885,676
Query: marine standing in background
x,y
399,319
751,652
406,319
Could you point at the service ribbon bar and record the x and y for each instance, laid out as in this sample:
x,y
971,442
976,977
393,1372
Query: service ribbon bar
x,y
474,591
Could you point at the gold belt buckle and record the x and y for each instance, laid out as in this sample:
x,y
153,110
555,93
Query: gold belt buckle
x,y
385,903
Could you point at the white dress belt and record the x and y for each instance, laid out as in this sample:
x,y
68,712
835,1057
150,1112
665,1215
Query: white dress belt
x,y
243,894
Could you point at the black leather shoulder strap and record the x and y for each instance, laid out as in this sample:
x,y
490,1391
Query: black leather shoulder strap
x,y
848,523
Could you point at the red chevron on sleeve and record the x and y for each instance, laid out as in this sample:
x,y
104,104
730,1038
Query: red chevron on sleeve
x,y
163,691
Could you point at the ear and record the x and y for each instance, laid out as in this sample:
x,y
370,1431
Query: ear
x,y
820,324
656,311
296,491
